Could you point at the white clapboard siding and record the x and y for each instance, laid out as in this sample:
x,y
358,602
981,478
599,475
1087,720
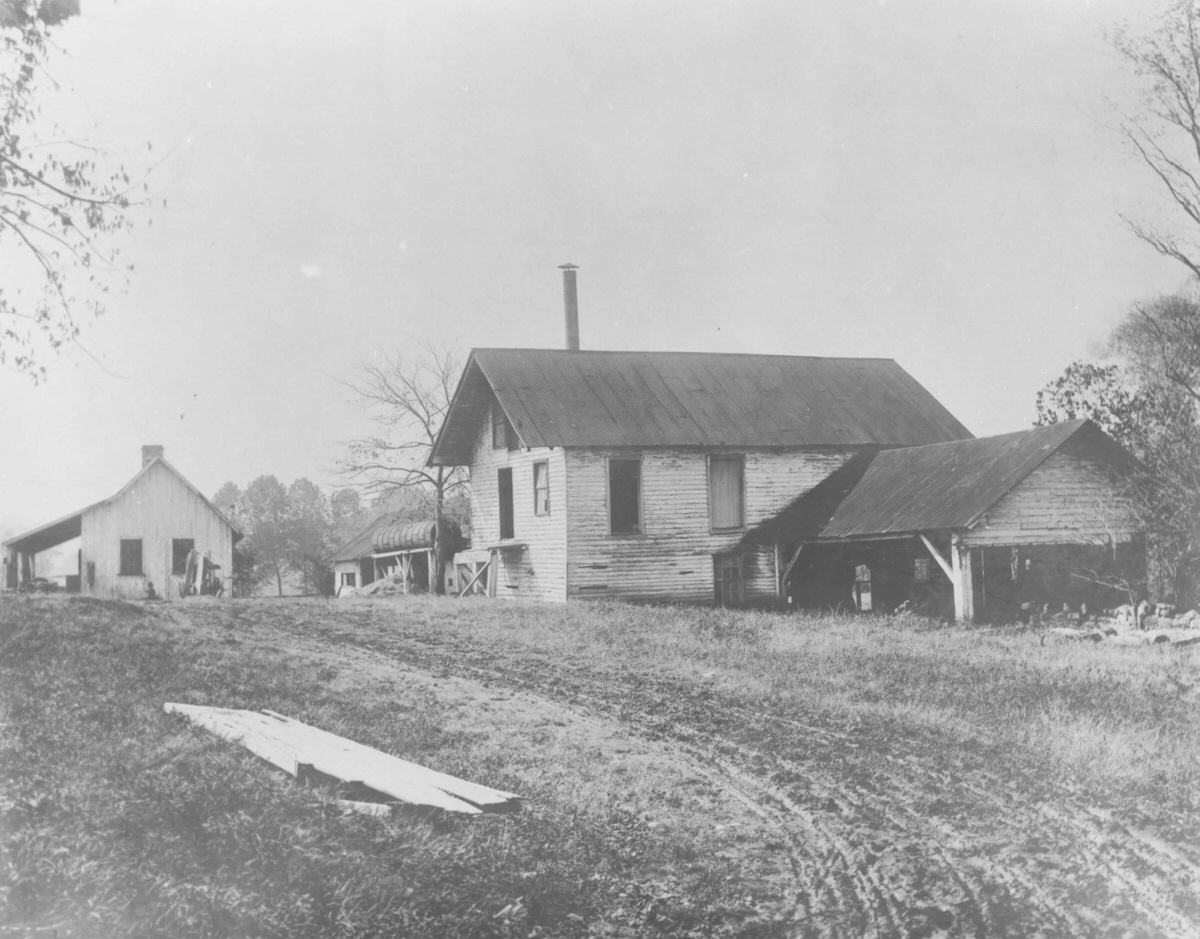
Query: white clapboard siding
x,y
158,507
539,569
671,558
1066,500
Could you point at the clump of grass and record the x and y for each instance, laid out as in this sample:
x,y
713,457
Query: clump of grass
x,y
120,820
1121,722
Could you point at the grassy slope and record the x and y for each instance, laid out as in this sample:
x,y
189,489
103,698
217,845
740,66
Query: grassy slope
x,y
118,820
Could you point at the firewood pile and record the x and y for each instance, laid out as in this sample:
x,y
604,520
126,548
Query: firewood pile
x,y
1128,625
387,585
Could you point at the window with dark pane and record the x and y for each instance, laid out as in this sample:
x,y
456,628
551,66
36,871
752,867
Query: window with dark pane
x,y
131,557
541,488
624,496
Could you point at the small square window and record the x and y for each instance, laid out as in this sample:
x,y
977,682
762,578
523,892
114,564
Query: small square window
x,y
921,569
541,488
348,579
131,557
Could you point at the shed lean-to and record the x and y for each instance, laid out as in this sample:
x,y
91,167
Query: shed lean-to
x,y
1034,496
634,474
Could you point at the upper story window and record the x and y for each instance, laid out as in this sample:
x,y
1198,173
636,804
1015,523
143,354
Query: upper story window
x,y
624,496
726,491
131,557
503,435
541,488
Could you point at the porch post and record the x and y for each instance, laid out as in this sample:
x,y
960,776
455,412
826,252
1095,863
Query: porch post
x,y
963,580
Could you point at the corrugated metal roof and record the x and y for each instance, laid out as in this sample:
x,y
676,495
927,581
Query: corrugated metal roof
x,y
951,485
406,536
360,545
561,398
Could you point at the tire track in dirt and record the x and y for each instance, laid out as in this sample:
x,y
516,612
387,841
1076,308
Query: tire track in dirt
x,y
880,839
1132,866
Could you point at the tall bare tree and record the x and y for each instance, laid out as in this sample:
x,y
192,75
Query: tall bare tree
x,y
1165,133
57,201
407,397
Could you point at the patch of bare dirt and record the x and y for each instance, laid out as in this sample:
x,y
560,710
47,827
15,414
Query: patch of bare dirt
x,y
858,830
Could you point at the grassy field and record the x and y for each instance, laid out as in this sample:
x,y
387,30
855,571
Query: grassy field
x,y
685,772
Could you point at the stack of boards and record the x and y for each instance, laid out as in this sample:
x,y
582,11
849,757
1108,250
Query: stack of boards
x,y
300,749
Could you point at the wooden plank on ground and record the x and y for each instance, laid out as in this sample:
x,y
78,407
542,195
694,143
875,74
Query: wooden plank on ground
x,y
286,743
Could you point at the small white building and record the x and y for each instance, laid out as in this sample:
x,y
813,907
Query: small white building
x,y
135,544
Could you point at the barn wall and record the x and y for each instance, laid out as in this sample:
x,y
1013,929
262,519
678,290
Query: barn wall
x,y
539,570
158,507
1066,500
672,558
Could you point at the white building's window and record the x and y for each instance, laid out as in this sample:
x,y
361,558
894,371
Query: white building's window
x,y
541,488
726,491
624,496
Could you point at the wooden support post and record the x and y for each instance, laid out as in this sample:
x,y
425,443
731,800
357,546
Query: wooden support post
x,y
778,574
962,580
937,556
787,571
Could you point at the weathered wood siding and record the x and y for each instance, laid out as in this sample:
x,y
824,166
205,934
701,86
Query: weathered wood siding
x,y
539,570
672,557
1066,500
157,508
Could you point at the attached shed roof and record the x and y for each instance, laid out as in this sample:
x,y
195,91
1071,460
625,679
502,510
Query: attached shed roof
x,y
563,398
70,526
361,544
951,485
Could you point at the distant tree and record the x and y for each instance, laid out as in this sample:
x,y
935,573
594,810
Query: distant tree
x,y
246,574
228,499
1146,397
264,511
1099,392
56,202
309,535
408,400
288,531
346,503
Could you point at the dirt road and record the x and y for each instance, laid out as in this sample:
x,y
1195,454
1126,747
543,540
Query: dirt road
x,y
862,830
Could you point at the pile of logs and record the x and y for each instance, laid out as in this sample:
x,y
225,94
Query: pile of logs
x,y
388,584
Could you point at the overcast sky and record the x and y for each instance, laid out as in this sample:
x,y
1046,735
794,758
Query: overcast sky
x,y
932,181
